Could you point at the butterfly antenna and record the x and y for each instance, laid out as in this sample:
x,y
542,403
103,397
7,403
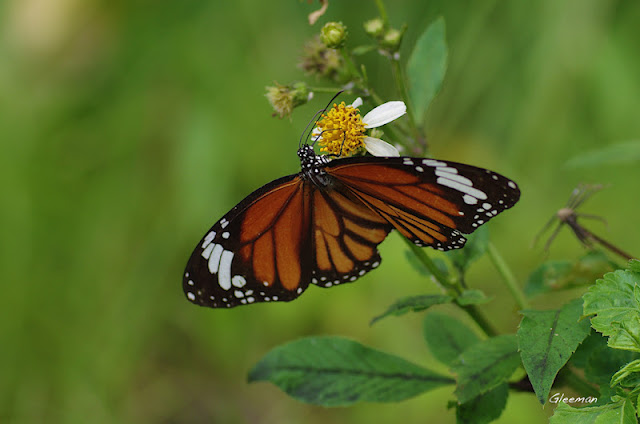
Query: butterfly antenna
x,y
306,134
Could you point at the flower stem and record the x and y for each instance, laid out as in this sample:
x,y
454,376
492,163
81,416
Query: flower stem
x,y
440,278
382,11
507,276
402,88
480,319
451,289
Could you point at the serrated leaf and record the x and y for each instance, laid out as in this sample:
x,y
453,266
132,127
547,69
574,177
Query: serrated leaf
x,y
486,365
627,376
593,344
627,152
546,340
413,304
613,301
334,371
426,67
484,408
476,246
472,297
620,412
447,337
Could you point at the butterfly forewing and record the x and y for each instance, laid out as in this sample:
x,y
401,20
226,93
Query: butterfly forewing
x,y
429,201
255,252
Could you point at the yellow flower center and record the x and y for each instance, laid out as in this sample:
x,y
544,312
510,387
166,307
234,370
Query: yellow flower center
x,y
342,130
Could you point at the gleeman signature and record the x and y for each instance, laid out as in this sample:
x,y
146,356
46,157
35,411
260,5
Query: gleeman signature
x,y
559,397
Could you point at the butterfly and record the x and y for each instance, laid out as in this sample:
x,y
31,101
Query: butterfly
x,y
322,226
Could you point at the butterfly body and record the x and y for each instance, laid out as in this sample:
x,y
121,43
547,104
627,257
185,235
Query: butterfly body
x,y
322,226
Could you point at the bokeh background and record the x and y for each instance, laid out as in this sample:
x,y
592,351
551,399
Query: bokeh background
x,y
127,128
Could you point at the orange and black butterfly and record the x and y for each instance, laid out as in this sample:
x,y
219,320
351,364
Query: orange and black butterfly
x,y
323,225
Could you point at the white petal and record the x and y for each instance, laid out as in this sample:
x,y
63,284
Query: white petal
x,y
384,114
316,134
377,147
357,102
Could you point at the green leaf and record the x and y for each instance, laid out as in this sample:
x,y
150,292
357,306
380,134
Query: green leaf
x,y
603,364
620,412
484,408
628,376
472,297
614,300
547,339
413,304
447,337
485,366
426,67
476,246
564,275
334,371
627,152
593,344
548,276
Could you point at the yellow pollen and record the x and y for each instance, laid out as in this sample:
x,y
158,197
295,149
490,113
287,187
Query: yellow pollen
x,y
342,130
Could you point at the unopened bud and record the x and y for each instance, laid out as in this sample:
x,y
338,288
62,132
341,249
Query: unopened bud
x,y
374,28
333,34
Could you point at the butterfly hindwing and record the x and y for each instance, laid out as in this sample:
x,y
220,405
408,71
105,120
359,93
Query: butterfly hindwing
x,y
345,236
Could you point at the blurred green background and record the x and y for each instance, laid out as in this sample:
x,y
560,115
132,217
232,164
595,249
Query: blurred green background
x,y
129,127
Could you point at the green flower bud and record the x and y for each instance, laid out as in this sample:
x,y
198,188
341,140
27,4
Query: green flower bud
x,y
392,38
374,28
333,34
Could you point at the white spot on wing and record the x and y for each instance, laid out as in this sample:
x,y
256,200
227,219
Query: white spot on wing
x,y
224,273
208,239
206,253
449,182
470,200
447,169
238,281
453,177
191,296
431,162
225,235
214,259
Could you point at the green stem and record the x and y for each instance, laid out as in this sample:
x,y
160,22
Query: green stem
x,y
440,277
453,290
479,318
382,11
507,276
353,70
